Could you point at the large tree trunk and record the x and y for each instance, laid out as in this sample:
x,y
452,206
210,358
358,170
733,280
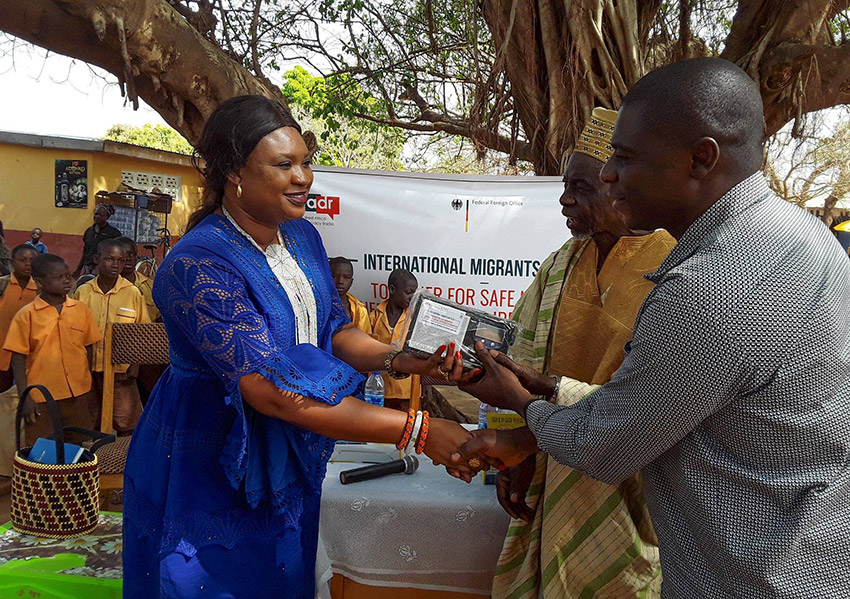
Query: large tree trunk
x,y
563,58
155,53
786,47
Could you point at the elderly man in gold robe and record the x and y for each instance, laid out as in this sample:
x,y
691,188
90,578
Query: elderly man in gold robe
x,y
573,536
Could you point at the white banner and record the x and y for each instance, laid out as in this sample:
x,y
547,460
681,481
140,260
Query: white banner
x,y
475,240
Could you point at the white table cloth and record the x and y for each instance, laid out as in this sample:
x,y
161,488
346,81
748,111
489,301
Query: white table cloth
x,y
426,530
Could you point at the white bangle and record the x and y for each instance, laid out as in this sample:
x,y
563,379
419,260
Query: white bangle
x,y
417,424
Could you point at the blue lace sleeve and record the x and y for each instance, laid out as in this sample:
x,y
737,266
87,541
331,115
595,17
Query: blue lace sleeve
x,y
208,302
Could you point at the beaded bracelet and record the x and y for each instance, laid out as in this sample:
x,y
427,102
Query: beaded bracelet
x,y
408,430
423,435
417,426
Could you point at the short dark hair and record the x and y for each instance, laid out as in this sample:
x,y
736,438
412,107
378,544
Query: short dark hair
x,y
400,276
708,97
127,243
44,264
106,244
339,260
24,247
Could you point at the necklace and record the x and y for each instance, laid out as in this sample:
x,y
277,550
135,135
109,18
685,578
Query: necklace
x,y
293,281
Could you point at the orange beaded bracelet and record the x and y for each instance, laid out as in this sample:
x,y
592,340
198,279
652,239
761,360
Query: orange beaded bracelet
x,y
408,430
423,433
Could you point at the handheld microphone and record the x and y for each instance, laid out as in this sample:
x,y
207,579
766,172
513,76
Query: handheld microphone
x,y
408,464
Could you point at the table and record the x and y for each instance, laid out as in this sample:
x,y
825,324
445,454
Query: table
x,y
426,530
87,566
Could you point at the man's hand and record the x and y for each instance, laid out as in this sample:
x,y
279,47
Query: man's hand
x,y
510,447
512,486
445,363
534,382
499,386
444,437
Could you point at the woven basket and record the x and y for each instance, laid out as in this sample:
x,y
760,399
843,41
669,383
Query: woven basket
x,y
58,501
113,457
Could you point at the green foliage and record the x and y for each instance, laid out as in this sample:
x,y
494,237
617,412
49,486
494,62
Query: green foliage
x,y
394,71
159,137
344,139
332,98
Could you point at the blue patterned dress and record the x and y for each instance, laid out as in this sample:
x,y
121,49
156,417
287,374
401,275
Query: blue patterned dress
x,y
221,501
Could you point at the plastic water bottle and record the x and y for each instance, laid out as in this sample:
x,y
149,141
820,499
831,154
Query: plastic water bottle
x,y
483,410
373,393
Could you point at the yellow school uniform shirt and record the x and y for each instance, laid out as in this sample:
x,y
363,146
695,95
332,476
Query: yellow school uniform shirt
x,y
122,303
381,330
55,346
145,284
359,314
13,299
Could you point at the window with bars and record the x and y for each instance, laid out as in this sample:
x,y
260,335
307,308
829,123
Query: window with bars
x,y
170,184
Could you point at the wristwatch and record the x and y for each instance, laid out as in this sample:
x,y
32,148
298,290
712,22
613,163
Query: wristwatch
x,y
554,396
388,366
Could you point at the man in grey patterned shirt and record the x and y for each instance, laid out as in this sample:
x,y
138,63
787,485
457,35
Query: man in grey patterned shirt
x,y
734,397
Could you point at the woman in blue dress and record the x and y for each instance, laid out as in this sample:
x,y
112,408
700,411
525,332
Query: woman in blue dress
x,y
224,474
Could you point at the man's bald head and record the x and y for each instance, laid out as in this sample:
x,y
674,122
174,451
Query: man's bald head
x,y
704,97
686,134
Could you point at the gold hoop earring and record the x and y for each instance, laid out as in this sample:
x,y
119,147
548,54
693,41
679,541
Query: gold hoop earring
x,y
239,191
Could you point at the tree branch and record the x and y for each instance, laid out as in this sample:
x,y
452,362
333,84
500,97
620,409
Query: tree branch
x,y
442,123
173,68
255,58
822,71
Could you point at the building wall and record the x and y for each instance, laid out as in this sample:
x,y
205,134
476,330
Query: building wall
x,y
27,187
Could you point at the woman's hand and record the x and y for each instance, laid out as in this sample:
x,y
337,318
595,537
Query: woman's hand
x,y
445,363
444,438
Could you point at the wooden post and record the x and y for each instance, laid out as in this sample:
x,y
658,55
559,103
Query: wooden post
x,y
108,399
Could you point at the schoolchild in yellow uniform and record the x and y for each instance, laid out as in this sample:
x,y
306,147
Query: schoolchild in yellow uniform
x,y
342,271
50,340
113,299
16,291
142,282
388,319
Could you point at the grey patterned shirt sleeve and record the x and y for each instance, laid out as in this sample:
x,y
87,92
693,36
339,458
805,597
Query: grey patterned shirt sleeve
x,y
734,403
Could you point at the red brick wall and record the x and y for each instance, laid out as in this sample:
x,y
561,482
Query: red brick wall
x,y
70,247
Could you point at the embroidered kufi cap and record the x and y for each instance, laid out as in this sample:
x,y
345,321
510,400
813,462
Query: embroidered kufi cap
x,y
595,140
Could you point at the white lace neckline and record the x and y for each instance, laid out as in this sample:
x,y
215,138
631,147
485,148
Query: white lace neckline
x,y
294,283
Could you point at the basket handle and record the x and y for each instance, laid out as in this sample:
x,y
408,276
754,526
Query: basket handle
x,y
58,436
101,439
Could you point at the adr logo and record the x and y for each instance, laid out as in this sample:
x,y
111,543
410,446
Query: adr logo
x,y
323,204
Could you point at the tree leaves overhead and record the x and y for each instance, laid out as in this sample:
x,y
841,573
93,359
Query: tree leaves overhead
x,y
150,136
424,65
516,76
343,140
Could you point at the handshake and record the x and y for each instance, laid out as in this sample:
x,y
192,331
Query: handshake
x,y
501,383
